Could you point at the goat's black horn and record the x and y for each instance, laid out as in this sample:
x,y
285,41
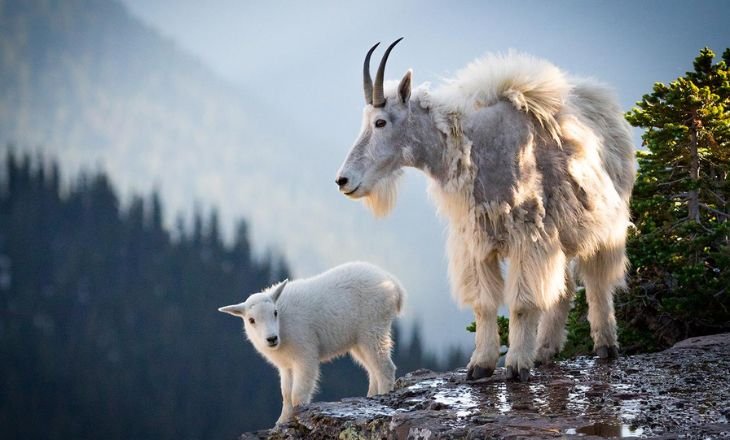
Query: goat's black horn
x,y
367,82
378,94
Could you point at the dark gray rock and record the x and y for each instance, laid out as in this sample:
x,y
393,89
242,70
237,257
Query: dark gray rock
x,y
681,392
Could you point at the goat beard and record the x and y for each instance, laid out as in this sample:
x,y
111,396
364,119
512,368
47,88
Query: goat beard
x,y
382,197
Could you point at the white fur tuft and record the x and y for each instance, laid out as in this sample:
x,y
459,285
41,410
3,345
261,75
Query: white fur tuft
x,y
530,84
382,197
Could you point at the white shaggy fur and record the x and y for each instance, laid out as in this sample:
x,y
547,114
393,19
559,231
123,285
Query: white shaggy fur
x,y
530,167
381,199
531,84
349,308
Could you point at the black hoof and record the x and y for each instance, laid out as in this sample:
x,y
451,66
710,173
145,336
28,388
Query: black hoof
x,y
545,356
607,352
523,375
544,363
477,372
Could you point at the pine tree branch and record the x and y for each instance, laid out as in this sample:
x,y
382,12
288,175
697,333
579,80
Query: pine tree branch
x,y
672,182
714,211
719,199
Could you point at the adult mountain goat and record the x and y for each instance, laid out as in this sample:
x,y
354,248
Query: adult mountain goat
x,y
528,166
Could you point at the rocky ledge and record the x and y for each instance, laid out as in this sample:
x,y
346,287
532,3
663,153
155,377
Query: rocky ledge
x,y
682,392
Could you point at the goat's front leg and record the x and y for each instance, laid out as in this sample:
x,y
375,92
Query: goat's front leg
x,y
535,281
487,299
285,374
551,333
486,353
523,320
306,375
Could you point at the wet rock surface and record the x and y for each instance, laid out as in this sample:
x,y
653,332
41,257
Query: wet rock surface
x,y
683,392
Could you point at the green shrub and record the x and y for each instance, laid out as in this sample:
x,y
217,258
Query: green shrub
x,y
502,325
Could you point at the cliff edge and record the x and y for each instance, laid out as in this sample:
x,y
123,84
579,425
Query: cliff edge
x,y
681,392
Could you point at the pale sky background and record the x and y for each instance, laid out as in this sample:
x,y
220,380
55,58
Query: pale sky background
x,y
300,63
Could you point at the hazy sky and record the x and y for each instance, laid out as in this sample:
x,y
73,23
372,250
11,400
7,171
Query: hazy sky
x,y
305,57
301,62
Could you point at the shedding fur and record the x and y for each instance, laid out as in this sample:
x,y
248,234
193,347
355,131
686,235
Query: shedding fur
x,y
529,167
296,325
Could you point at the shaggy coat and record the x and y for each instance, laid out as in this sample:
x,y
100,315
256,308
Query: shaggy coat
x,y
296,325
529,167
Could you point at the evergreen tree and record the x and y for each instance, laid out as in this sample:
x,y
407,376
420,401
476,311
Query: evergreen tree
x,y
679,250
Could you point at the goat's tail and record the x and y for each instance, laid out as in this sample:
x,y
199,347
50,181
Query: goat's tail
x,y
400,297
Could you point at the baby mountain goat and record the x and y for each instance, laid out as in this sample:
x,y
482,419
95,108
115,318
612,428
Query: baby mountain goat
x,y
296,325
529,166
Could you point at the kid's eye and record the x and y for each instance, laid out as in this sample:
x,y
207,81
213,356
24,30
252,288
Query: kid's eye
x,y
252,321
380,123
276,313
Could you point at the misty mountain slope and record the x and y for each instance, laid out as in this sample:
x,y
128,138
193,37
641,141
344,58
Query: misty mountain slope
x,y
89,83
83,77
92,85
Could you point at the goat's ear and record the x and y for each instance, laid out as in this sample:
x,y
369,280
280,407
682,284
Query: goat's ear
x,y
235,310
404,88
278,290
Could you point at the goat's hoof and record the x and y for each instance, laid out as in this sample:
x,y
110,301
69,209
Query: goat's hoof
x,y
607,352
523,374
543,361
545,356
476,372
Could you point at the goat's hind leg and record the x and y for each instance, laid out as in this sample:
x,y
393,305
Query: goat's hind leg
x,y
360,358
376,354
386,373
602,273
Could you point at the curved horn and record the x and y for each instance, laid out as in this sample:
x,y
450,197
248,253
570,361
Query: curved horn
x,y
378,95
367,82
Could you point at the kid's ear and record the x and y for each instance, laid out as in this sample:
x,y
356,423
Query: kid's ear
x,y
404,88
235,310
278,290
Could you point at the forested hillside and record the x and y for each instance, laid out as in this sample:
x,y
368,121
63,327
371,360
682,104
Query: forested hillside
x,y
109,328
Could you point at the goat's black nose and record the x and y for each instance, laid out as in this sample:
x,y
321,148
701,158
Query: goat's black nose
x,y
341,181
272,339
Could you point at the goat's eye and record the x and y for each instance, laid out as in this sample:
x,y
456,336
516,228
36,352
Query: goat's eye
x,y
276,313
380,123
252,321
